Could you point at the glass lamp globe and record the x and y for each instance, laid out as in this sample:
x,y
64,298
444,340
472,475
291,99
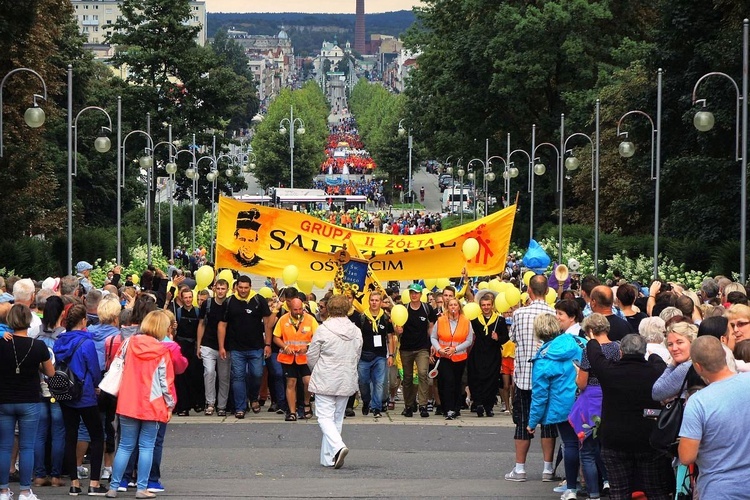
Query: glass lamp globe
x,y
196,176
471,176
703,121
229,172
540,168
252,166
301,131
282,130
245,168
190,173
401,131
513,171
490,177
211,176
449,170
571,163
171,167
34,116
460,172
146,162
506,175
626,149
102,144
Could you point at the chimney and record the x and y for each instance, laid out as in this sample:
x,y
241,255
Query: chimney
x,y
359,28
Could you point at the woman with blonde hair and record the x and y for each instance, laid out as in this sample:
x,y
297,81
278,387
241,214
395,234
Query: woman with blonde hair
x,y
739,322
146,398
680,373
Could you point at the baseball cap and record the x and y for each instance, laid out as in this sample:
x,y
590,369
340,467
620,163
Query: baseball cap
x,y
415,287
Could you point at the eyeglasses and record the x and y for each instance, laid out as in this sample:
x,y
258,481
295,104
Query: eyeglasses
x,y
739,324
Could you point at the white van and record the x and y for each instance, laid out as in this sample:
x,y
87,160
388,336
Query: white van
x,y
455,200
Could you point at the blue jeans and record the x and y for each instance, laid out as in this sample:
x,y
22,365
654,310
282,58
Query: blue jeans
x,y
592,465
372,374
27,416
570,453
155,475
247,373
276,380
51,425
132,432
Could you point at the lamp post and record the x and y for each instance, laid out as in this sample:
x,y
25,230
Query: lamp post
x,y
470,176
146,162
401,133
460,173
212,176
291,122
704,121
627,150
192,174
487,176
171,168
34,116
102,144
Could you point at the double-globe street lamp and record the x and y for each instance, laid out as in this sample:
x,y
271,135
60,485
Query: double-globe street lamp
x,y
487,177
146,162
291,122
704,121
627,150
34,116
212,176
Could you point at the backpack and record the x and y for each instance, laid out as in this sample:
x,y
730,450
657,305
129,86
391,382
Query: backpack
x,y
65,385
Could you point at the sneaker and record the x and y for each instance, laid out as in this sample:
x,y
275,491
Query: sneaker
x,y
29,496
123,486
155,487
6,496
605,488
561,488
569,495
423,412
75,491
83,472
106,474
376,414
340,456
451,415
430,405
97,491
350,412
515,476
408,412
548,477
365,409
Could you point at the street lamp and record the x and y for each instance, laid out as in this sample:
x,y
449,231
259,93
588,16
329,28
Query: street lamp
x,y
102,144
212,177
146,162
627,150
460,174
401,133
487,176
704,121
291,122
170,167
34,116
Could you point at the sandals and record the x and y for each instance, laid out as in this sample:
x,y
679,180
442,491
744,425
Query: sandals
x,y
308,411
391,405
209,410
239,415
255,406
221,412
291,417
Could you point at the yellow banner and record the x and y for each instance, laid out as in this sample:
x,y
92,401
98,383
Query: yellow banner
x,y
263,240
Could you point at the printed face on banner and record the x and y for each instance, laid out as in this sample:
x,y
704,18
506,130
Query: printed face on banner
x,y
246,235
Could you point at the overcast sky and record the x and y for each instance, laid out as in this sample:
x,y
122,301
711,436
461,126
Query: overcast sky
x,y
312,6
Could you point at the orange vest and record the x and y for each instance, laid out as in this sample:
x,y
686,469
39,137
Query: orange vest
x,y
296,337
448,339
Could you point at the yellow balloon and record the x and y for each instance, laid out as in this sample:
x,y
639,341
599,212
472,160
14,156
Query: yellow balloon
x,y
524,298
504,285
430,283
470,248
551,296
405,297
472,311
512,295
227,275
399,315
313,306
496,285
305,286
289,274
483,285
443,282
265,292
320,283
135,279
424,295
204,276
527,276
501,303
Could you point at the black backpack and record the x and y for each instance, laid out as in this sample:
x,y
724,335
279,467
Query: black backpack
x,y
65,385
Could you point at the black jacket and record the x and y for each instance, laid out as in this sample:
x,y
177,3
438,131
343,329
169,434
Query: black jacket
x,y
626,392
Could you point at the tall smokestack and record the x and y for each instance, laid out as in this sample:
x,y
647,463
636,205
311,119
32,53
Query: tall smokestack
x,y
359,28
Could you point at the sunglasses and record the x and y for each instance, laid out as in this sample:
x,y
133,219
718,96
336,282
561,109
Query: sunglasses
x,y
739,324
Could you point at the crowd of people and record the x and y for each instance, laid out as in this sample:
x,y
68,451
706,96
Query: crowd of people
x,y
372,188
593,367
345,153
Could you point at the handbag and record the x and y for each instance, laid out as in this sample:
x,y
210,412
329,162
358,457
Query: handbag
x,y
113,378
665,437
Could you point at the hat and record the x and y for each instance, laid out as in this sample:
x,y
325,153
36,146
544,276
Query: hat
x,y
481,293
415,287
6,297
83,266
51,284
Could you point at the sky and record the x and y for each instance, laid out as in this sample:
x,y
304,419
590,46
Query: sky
x,y
310,6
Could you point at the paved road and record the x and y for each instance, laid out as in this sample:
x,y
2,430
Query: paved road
x,y
264,457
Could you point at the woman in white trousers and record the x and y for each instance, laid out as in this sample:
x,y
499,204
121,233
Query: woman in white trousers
x,y
333,357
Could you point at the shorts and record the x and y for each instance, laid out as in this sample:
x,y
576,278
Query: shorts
x,y
507,366
521,410
295,371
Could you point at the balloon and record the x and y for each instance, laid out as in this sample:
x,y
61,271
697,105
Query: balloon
x,y
405,297
265,292
483,285
204,276
501,303
512,295
527,276
289,274
313,306
551,296
524,298
320,283
470,248
430,283
504,285
472,311
496,285
135,279
227,275
443,282
424,295
305,286
399,315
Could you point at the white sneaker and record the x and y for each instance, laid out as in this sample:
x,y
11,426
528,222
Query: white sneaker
x,y
83,472
106,473
515,476
569,495
30,496
6,496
